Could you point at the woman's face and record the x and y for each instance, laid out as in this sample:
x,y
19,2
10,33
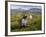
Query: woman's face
x,y
30,16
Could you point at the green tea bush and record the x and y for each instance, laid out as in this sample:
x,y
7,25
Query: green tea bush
x,y
32,24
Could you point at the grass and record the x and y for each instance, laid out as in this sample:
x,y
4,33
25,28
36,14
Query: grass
x,y
33,24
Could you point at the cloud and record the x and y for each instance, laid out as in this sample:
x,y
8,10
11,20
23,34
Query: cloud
x,y
25,7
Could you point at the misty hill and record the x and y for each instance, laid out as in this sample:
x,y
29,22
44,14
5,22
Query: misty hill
x,y
32,10
35,10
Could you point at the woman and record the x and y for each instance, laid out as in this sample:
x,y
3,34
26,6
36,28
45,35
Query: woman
x,y
23,21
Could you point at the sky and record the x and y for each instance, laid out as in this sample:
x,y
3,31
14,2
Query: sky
x,y
24,7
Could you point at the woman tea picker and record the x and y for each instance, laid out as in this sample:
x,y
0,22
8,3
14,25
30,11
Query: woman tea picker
x,y
23,21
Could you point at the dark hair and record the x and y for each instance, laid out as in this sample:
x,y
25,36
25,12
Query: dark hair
x,y
24,17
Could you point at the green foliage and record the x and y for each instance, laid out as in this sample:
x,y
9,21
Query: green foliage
x,y
32,24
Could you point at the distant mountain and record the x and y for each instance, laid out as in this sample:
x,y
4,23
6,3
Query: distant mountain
x,y
35,10
32,10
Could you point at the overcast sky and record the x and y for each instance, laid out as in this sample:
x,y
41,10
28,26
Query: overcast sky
x,y
25,7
